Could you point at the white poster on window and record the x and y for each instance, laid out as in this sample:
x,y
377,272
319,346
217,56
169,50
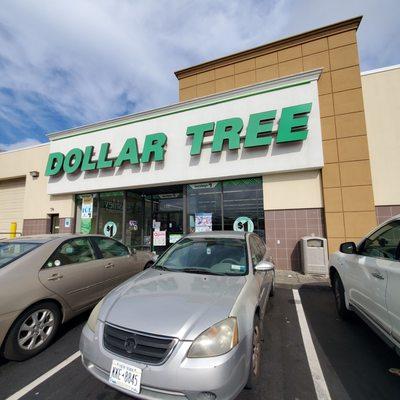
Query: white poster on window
x,y
159,238
203,222
87,207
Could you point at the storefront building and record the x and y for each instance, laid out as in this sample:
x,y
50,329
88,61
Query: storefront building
x,y
286,140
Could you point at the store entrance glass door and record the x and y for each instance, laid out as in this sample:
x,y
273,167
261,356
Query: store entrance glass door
x,y
167,224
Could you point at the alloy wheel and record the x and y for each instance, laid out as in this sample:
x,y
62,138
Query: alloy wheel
x,y
36,329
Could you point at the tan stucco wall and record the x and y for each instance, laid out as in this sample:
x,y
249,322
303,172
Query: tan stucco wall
x,y
37,204
293,190
382,108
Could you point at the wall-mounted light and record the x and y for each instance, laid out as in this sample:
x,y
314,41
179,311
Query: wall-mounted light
x,y
34,174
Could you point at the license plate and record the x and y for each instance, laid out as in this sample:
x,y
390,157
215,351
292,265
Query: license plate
x,y
125,376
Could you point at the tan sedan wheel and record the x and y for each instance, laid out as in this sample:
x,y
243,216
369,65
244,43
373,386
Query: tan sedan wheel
x,y
32,332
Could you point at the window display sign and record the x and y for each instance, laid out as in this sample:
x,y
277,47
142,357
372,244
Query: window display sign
x,y
159,238
203,222
243,224
110,229
87,207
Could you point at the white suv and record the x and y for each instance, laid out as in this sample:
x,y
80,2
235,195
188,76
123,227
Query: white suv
x,y
366,279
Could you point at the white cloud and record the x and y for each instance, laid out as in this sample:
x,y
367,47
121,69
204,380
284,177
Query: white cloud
x,y
19,144
73,62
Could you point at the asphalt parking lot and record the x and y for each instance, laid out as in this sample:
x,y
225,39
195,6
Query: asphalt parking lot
x,y
354,361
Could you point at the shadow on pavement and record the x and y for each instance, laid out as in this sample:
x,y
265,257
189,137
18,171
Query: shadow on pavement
x,y
350,353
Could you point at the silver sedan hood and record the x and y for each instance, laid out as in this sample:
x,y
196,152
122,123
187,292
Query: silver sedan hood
x,y
173,304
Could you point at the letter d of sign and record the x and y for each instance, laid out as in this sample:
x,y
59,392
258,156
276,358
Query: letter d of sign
x,y
54,164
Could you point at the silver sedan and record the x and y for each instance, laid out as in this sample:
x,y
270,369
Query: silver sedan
x,y
190,326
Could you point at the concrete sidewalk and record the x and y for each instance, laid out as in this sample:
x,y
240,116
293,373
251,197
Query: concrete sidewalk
x,y
283,277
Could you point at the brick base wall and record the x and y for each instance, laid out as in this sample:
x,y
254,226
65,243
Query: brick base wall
x,y
63,229
36,226
285,228
42,225
383,213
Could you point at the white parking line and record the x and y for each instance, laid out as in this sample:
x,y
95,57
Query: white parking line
x,y
320,386
45,376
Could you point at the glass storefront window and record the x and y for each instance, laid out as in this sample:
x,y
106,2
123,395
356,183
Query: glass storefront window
x,y
212,206
204,206
110,214
243,203
134,220
86,213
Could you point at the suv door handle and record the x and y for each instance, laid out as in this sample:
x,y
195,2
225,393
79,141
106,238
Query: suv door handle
x,y
377,275
54,277
109,265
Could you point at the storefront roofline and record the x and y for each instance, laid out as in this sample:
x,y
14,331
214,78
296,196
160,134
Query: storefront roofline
x,y
24,148
206,101
280,44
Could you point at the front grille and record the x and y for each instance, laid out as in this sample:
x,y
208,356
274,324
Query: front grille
x,y
142,347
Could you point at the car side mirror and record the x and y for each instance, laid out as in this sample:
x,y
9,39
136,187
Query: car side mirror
x,y
148,265
132,250
264,266
348,248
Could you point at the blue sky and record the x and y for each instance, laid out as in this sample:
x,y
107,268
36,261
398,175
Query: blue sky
x,y
68,63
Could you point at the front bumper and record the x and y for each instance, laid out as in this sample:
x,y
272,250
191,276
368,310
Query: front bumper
x,y
178,378
6,320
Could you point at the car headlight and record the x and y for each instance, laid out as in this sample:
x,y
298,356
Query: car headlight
x,y
217,340
91,323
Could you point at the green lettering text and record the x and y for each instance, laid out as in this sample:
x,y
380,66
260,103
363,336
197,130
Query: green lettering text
x,y
73,160
54,164
103,161
293,123
154,144
128,153
87,163
227,130
255,128
198,131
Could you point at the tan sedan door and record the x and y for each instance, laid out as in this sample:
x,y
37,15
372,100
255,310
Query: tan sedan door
x,y
119,263
74,273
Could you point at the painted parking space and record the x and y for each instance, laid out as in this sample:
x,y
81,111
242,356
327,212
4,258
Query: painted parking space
x,y
353,360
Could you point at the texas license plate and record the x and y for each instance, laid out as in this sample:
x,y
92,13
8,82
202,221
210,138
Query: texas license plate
x,y
125,376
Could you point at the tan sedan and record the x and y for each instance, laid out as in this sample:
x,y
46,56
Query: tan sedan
x,y
46,280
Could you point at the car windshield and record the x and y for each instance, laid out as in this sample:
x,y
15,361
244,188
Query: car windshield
x,y
10,251
212,256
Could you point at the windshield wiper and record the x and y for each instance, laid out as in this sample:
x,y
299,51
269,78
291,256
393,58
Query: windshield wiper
x,y
161,267
198,271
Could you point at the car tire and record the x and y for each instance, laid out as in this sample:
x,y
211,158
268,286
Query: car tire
x,y
340,300
256,355
272,291
40,322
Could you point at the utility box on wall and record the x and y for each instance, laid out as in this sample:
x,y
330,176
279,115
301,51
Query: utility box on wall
x,y
314,255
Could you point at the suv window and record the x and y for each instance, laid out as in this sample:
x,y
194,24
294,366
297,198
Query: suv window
x,y
73,251
383,243
110,248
